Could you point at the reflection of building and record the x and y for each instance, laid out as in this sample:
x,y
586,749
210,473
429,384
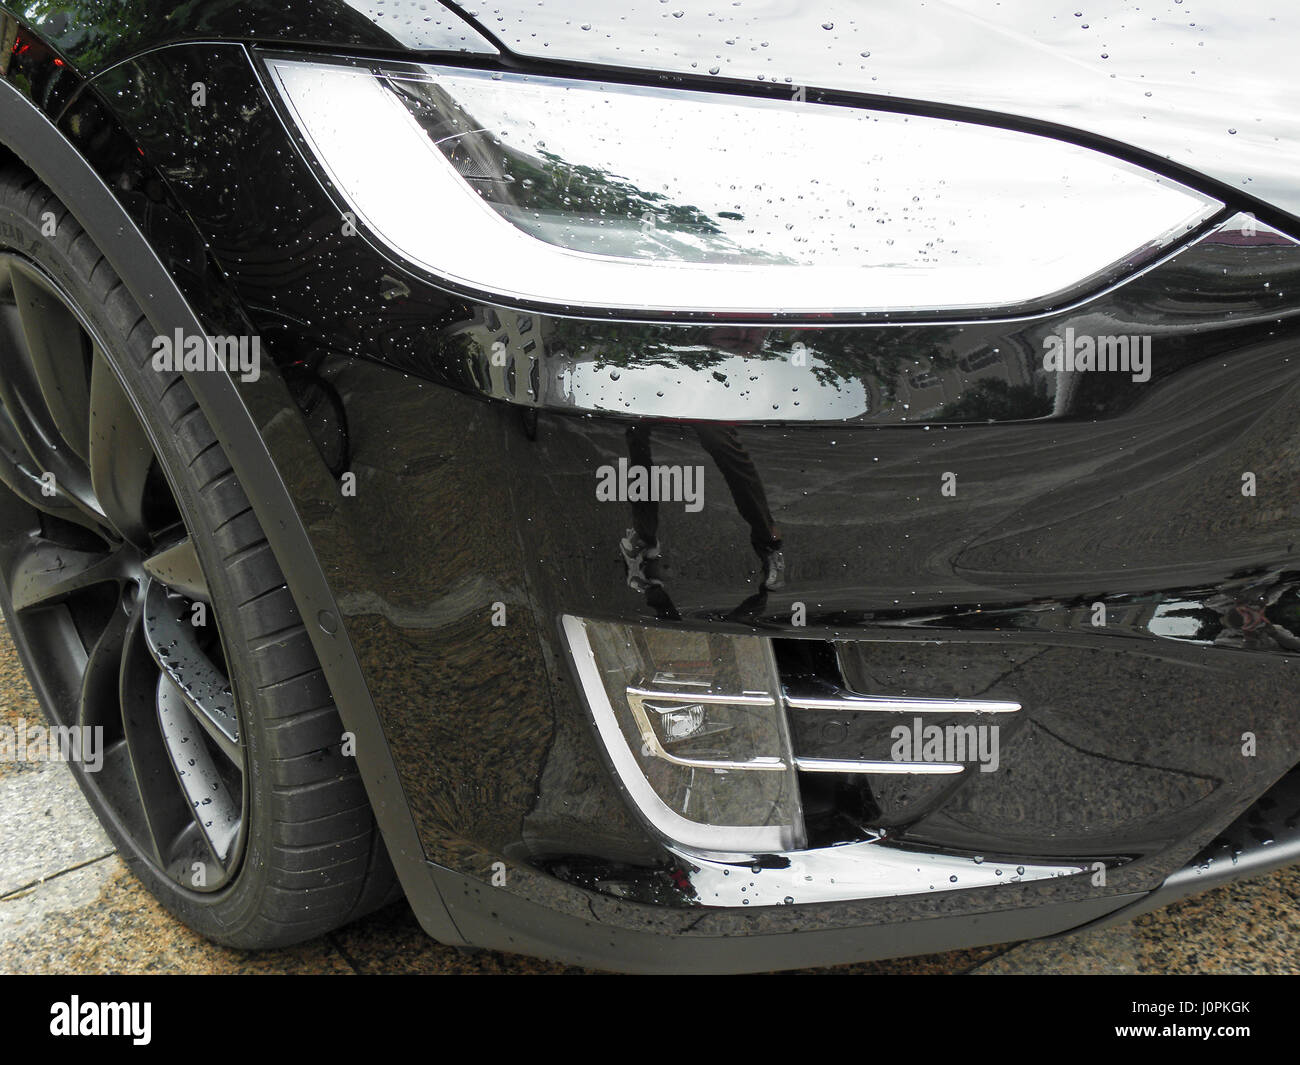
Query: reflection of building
x,y
929,385
508,356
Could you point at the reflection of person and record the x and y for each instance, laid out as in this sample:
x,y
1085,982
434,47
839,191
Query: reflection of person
x,y
1262,628
1263,615
722,442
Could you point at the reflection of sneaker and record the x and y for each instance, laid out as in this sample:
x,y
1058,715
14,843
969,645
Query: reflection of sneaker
x,y
773,560
642,560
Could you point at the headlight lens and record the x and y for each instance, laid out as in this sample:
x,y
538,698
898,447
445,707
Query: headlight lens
x,y
695,728
579,193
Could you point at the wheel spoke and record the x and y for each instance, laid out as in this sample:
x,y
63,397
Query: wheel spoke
x,y
37,460
47,572
22,395
165,809
214,809
120,453
178,568
19,476
57,347
99,703
32,426
202,687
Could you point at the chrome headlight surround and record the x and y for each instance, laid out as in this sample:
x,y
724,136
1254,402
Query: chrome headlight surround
x,y
608,198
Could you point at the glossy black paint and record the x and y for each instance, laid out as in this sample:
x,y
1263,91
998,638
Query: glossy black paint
x,y
475,486
94,36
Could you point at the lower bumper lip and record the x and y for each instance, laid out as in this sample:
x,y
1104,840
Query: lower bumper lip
x,y
636,943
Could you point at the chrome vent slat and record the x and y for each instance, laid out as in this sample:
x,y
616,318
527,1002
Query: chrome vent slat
x,y
818,694
846,765
879,704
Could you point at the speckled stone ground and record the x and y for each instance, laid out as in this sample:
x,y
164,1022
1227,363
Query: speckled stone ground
x,y
69,905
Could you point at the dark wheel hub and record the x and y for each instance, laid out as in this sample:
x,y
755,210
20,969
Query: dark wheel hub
x,y
108,594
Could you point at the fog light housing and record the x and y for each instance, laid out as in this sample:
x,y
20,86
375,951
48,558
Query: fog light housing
x,y
695,728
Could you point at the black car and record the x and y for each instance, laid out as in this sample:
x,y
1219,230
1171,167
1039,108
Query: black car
x,y
662,490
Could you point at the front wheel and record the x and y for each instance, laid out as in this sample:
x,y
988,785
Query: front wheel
x,y
153,618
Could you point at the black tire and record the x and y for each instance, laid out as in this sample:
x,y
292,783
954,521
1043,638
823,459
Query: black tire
x,y
312,855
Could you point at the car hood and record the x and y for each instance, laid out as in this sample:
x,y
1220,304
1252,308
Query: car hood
x,y
1211,86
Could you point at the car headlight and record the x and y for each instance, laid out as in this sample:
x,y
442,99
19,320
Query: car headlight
x,y
695,728
614,197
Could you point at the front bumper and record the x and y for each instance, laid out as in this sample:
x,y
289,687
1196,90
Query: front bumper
x,y
474,489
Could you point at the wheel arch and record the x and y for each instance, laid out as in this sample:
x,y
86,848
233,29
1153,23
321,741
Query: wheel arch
x,y
28,136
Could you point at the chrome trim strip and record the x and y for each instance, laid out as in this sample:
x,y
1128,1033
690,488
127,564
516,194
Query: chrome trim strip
x,y
636,698
845,765
879,704
712,698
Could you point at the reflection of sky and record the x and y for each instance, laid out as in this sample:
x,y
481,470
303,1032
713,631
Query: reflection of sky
x,y
818,184
1170,77
654,391
1177,628
423,26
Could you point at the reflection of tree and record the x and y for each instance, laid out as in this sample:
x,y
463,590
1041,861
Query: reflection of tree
x,y
994,400
661,886
575,188
883,356
834,356
94,33
541,192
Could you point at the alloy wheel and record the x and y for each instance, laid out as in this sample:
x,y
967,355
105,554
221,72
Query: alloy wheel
x,y
108,594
